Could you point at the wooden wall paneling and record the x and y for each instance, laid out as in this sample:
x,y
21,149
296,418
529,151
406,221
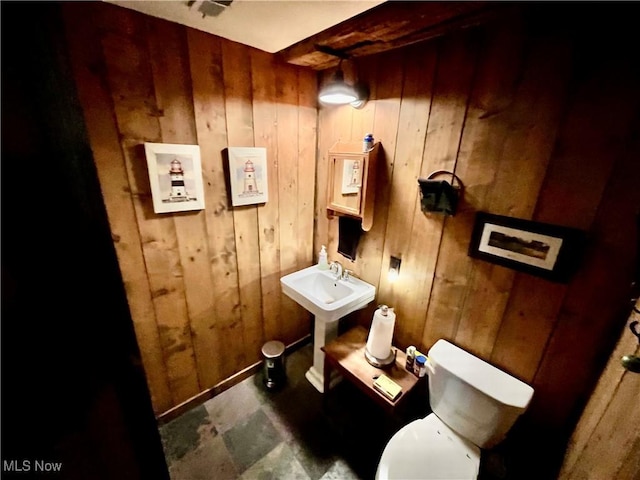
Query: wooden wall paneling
x,y
529,318
415,110
603,279
307,135
88,69
325,134
287,138
163,267
132,88
362,119
329,132
440,279
334,124
307,144
483,138
485,130
631,463
533,123
263,78
386,94
411,130
220,334
532,310
616,431
239,115
340,122
603,411
605,103
172,81
327,116
362,122
342,131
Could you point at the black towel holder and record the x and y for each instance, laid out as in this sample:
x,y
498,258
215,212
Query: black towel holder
x,y
447,172
440,196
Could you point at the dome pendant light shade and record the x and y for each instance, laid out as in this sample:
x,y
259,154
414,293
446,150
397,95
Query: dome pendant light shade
x,y
337,92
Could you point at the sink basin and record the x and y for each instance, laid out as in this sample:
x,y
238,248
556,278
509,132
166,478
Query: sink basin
x,y
329,299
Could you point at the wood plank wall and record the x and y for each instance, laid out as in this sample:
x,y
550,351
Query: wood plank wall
x,y
539,123
606,441
203,287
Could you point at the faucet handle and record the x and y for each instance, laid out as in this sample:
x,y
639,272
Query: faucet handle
x,y
346,274
338,266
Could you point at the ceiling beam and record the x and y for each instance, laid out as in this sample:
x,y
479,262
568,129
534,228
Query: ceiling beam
x,y
390,25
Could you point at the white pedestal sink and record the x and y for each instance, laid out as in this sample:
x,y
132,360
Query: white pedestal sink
x,y
328,299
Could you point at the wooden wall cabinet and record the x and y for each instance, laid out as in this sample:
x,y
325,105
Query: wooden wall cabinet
x,y
352,181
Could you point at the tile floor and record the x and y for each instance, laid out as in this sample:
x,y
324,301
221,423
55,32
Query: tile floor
x,y
248,432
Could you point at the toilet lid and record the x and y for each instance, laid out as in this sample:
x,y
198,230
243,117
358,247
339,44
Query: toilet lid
x,y
427,449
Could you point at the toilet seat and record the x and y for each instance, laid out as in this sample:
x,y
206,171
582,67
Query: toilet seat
x,y
427,449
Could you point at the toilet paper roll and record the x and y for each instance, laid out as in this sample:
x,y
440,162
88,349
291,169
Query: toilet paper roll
x,y
381,334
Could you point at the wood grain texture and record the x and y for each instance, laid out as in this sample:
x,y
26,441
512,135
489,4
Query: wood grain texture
x,y
528,147
457,59
130,76
265,128
386,27
592,310
239,118
346,353
522,118
606,421
539,121
386,75
168,51
205,57
195,279
88,65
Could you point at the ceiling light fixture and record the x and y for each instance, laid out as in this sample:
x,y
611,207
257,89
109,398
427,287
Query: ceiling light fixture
x,y
339,92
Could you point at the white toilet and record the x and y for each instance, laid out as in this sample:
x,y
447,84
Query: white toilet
x,y
474,405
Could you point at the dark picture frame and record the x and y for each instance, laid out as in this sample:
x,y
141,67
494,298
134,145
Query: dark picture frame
x,y
548,251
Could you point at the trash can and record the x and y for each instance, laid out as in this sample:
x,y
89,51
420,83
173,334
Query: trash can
x,y
274,368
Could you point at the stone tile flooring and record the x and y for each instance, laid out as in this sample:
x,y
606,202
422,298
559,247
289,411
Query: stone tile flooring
x,y
248,432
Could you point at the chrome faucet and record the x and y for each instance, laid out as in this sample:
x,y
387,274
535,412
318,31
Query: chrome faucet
x,y
338,266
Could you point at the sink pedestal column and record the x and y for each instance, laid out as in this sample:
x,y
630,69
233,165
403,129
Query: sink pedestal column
x,y
323,332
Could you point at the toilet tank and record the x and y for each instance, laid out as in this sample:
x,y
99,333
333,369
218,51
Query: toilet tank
x,y
476,399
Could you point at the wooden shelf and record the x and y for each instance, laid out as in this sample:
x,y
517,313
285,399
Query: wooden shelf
x,y
346,354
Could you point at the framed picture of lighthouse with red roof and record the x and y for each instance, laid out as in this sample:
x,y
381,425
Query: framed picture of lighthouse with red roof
x,y
248,175
175,176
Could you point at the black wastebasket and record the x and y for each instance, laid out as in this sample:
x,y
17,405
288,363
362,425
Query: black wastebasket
x,y
274,368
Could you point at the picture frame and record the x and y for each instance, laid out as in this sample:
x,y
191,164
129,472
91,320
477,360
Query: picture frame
x,y
248,175
548,251
352,176
175,175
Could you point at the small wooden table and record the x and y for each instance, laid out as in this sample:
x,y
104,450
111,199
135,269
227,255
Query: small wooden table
x,y
346,355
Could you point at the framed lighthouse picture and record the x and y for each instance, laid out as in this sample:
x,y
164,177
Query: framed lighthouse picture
x,y
175,176
248,172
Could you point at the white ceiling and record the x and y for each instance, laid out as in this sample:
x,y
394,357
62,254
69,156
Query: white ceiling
x,y
269,25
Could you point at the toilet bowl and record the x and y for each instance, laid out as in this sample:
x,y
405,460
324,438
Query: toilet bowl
x,y
474,405
429,449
